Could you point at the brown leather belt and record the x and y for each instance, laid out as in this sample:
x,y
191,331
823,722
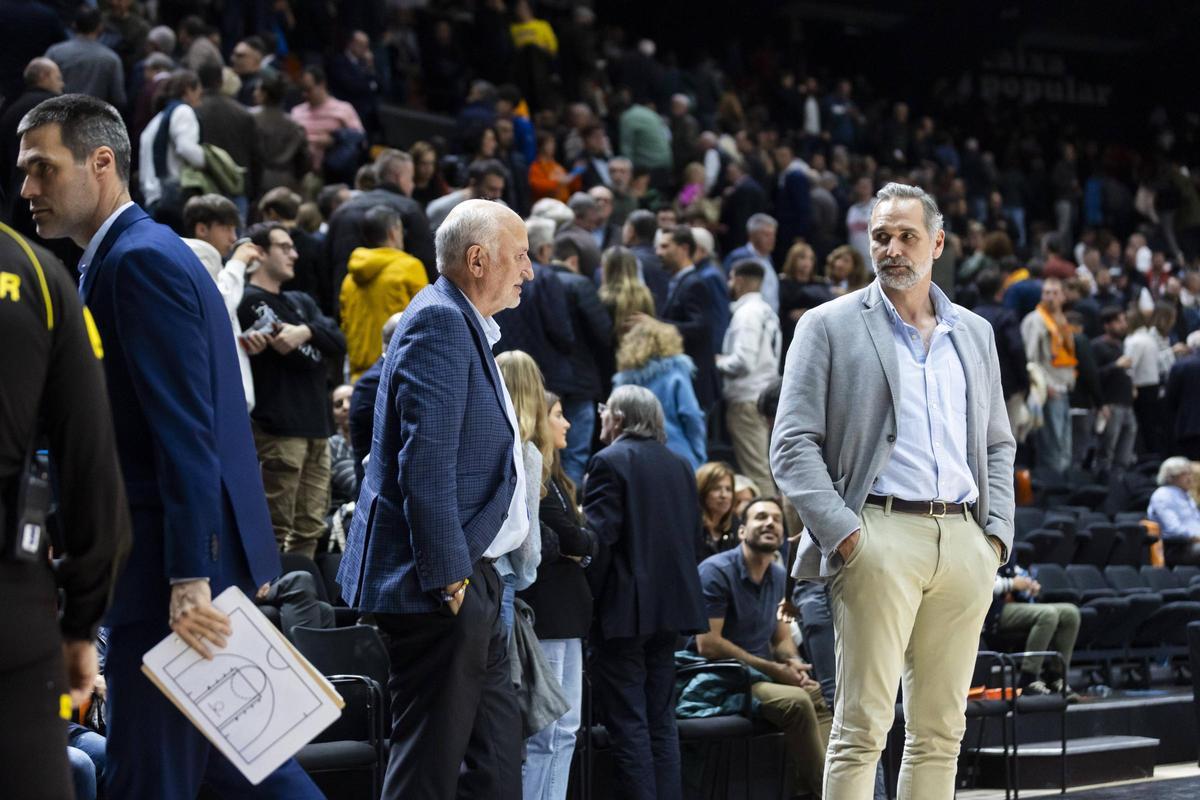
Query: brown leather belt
x,y
926,508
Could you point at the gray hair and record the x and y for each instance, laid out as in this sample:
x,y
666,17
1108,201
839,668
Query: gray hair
x,y
163,38
582,203
389,328
640,412
388,161
468,224
759,222
37,71
902,191
554,210
541,233
622,160
1172,468
704,240
161,62
86,123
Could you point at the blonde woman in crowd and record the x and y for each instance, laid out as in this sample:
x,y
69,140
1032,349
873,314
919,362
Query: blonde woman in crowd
x,y
651,355
622,292
523,380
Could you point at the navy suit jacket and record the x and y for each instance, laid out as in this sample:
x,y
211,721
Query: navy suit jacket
x,y
640,500
1183,399
183,436
541,326
687,309
441,475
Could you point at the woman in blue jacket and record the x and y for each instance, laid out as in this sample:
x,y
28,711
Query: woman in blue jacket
x,y
651,355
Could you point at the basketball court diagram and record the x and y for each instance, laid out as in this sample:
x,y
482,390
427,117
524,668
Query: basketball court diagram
x,y
250,694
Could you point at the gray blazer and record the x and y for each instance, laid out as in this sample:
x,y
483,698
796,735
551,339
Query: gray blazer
x,y
836,424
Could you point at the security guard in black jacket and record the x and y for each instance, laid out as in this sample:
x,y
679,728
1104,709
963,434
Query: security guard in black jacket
x,y
52,393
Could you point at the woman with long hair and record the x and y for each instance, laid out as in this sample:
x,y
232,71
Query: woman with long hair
x,y
523,380
428,184
800,288
622,291
651,355
562,605
714,484
846,270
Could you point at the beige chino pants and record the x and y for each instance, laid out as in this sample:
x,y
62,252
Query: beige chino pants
x,y
908,606
751,444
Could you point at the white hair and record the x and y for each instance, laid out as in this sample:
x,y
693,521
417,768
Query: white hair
x,y
704,240
541,233
1172,468
469,223
640,411
760,221
554,210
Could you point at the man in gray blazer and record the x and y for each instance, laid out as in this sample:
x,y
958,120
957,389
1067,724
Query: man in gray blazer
x,y
893,443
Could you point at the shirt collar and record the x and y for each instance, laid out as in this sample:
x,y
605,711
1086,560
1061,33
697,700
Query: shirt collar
x,y
748,297
491,331
943,309
98,237
686,270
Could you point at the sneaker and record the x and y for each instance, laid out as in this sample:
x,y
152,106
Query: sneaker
x,y
1037,688
1071,695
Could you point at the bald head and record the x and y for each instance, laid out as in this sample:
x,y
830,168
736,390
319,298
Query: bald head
x,y
42,73
483,248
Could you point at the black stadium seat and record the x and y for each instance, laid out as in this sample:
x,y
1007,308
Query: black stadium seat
x,y
1130,546
1097,544
1169,584
1027,519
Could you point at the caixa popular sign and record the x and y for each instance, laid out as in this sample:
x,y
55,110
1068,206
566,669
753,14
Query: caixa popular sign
x,y
1028,78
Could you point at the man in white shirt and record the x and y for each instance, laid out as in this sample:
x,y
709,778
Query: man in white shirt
x,y
749,360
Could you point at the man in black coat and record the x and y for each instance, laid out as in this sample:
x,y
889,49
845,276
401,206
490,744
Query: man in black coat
x,y
394,174
362,402
687,309
1183,401
590,359
1009,346
352,78
743,199
540,326
640,552
638,235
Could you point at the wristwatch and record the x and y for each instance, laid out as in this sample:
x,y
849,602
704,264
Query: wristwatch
x,y
448,597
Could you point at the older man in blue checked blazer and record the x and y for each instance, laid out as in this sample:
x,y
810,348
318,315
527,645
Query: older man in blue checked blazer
x,y
442,499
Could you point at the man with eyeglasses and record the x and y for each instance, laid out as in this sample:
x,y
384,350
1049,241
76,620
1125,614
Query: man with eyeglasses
x,y
291,415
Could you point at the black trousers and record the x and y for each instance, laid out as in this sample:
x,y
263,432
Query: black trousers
x,y
634,681
456,727
33,736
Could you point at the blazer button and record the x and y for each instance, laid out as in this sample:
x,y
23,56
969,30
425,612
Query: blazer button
x,y
891,438
513,480
504,516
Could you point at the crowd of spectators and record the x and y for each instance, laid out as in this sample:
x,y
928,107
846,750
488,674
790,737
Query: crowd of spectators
x,y
680,221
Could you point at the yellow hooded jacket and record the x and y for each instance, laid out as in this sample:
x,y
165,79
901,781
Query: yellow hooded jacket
x,y
380,281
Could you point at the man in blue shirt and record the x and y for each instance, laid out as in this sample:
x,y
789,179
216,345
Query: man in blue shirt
x,y
742,590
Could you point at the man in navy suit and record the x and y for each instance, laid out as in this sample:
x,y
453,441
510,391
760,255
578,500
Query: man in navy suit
x,y
443,497
200,520
687,309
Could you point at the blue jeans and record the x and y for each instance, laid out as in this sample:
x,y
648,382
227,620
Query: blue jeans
x,y
506,602
547,768
582,416
86,753
1054,437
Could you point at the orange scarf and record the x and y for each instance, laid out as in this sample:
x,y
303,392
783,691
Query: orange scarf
x,y
1016,277
1062,347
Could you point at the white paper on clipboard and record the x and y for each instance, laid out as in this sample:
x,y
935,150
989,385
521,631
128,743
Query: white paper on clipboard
x,y
258,700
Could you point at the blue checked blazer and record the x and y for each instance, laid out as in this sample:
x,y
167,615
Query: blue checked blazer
x,y
440,478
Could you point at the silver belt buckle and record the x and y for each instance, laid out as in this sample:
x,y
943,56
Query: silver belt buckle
x,y
931,507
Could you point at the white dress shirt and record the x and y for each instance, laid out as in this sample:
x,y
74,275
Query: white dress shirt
x,y
86,260
515,527
929,461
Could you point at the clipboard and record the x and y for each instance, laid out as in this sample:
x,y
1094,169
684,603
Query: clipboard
x,y
258,701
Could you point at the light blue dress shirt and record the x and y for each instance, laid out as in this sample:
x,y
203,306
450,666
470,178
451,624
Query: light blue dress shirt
x,y
86,260
929,461
1175,512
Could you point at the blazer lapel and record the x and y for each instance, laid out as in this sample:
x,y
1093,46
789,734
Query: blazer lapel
x,y
129,216
454,294
876,319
